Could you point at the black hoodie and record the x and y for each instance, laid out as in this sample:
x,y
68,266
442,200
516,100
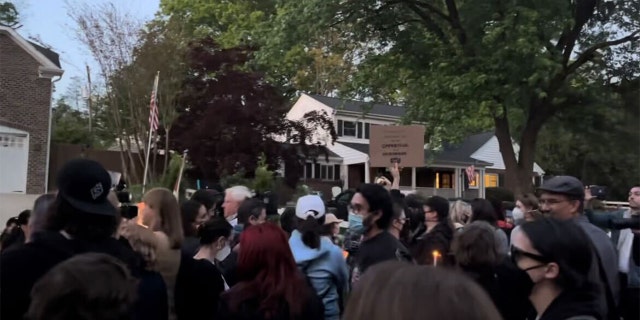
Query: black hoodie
x,y
579,303
23,267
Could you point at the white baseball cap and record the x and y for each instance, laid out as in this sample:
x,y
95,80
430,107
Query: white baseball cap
x,y
310,205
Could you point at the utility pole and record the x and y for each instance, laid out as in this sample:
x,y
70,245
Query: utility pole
x,y
89,102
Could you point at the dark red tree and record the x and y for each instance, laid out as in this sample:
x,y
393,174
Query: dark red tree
x,y
229,116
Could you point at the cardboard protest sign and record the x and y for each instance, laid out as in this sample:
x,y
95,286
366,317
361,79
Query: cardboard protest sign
x,y
402,144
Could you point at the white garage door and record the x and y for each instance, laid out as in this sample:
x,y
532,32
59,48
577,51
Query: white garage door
x,y
14,158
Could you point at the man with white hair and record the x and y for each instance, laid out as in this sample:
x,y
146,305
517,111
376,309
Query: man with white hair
x,y
233,198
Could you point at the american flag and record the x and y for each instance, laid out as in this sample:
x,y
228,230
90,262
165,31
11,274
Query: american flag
x,y
471,173
153,108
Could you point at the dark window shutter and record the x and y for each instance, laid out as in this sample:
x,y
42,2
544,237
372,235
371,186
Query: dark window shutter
x,y
366,130
336,172
339,127
307,169
359,130
316,174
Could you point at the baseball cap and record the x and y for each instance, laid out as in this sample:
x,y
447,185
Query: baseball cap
x,y
85,185
331,218
310,205
566,185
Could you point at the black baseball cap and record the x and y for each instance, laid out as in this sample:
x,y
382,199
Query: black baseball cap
x,y
566,185
85,185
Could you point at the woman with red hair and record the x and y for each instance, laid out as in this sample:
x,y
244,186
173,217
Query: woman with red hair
x,y
269,284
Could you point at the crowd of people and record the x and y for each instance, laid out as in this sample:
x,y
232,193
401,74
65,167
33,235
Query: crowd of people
x,y
219,255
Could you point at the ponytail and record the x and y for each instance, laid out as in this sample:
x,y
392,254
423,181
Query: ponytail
x,y
311,229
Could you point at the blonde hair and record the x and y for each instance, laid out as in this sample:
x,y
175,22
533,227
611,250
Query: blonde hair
x,y
168,209
459,211
142,241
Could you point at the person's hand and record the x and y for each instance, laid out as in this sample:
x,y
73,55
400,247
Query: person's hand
x,y
587,194
395,171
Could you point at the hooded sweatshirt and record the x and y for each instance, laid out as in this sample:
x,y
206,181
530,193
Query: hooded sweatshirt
x,y
325,268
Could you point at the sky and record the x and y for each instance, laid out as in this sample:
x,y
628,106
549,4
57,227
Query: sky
x,y
48,20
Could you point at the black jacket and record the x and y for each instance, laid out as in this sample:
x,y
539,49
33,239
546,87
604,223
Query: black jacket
x,y
24,266
198,287
583,304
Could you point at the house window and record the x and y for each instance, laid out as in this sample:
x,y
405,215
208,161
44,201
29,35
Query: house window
x,y
308,173
491,180
348,128
444,180
366,130
360,130
321,171
475,183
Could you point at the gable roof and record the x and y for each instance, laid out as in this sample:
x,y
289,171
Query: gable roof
x,y
463,150
49,61
48,53
371,108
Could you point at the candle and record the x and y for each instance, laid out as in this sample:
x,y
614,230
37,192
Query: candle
x,y
436,255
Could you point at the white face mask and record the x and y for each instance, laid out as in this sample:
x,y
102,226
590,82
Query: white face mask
x,y
517,214
223,253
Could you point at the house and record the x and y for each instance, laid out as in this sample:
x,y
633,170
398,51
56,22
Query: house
x,y
27,74
348,161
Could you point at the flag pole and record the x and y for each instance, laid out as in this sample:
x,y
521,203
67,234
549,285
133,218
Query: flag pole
x,y
154,95
176,188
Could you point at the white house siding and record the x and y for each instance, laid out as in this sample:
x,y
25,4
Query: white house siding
x,y
490,152
306,104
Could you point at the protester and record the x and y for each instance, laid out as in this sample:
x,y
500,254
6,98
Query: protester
x,y
81,220
18,235
233,198
317,257
399,291
562,197
477,255
414,211
193,215
526,210
161,214
211,199
288,220
399,228
460,213
91,286
372,203
482,210
557,256
199,282
270,286
38,218
331,227
436,242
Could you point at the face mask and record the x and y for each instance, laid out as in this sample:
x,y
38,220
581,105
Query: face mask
x,y
522,282
355,223
223,253
517,214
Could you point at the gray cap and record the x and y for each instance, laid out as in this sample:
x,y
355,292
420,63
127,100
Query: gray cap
x,y
566,185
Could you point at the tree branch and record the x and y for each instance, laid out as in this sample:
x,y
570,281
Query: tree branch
x,y
431,8
455,21
428,22
588,54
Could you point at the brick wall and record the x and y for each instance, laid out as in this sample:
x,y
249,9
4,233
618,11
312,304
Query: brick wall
x,y
25,100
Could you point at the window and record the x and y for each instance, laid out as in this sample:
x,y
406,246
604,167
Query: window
x,y
490,180
360,130
366,130
444,180
475,183
307,170
322,171
349,128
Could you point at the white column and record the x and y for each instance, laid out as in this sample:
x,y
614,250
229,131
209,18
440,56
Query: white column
x,y
458,184
366,171
345,176
481,192
413,178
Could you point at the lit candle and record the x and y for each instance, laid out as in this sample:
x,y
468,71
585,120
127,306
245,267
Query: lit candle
x,y
436,255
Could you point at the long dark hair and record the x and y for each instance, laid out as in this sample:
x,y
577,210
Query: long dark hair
x,y
212,230
311,230
250,208
189,212
482,210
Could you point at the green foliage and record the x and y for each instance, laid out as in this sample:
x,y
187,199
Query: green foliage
x,y
69,125
264,179
9,16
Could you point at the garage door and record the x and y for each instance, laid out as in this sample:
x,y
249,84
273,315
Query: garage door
x,y
14,158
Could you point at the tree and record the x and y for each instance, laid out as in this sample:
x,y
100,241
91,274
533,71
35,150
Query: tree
x,y
464,66
69,125
229,117
9,16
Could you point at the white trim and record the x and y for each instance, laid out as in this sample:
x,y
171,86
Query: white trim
x,y
49,133
47,69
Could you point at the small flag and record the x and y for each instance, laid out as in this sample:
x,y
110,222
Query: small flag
x,y
153,107
471,173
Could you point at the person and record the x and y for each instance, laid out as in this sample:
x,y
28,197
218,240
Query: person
x,y
317,257
233,198
199,282
91,286
331,227
193,214
476,254
395,290
399,227
81,220
483,210
460,214
373,204
526,208
211,199
557,256
288,220
562,197
19,233
9,226
438,235
161,214
414,211
38,217
270,286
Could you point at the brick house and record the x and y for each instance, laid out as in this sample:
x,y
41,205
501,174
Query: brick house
x,y
27,73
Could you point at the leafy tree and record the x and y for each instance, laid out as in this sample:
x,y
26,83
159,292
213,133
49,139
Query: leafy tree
x,y
228,117
464,66
9,16
69,125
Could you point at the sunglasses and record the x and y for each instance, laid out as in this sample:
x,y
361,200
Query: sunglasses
x,y
517,254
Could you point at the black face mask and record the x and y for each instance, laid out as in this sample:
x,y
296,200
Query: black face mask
x,y
522,282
